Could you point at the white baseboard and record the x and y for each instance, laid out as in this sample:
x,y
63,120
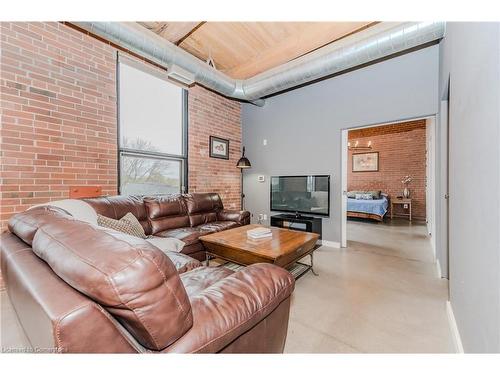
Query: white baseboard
x,y
330,244
438,269
454,328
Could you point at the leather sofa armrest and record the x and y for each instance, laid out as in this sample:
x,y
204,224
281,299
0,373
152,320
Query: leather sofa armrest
x,y
52,314
234,305
103,335
241,217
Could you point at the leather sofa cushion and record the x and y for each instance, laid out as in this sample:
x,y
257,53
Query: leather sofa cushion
x,y
203,218
239,301
25,224
166,212
202,207
118,206
240,217
201,278
132,279
187,235
217,226
191,235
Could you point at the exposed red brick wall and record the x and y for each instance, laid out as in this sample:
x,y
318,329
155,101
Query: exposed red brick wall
x,y
402,151
212,114
58,103
58,118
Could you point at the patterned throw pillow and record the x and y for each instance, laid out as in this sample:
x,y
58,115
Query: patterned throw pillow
x,y
375,194
127,224
351,194
136,224
366,196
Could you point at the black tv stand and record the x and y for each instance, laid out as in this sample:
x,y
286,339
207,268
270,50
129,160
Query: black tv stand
x,y
296,215
298,222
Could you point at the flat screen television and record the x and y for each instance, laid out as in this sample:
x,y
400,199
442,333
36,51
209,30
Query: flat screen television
x,y
301,194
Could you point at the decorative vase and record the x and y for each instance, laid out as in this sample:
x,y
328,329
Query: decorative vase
x,y
406,192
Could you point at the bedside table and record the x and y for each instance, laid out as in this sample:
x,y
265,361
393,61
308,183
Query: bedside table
x,y
401,201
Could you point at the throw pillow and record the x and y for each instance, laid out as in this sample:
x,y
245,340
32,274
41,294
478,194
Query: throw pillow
x,y
166,243
77,208
365,196
138,229
375,194
352,193
126,224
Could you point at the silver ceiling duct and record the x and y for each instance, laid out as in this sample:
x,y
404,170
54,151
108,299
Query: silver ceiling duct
x,y
374,43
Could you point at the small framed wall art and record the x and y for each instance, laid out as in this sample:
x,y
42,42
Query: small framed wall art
x,y
365,162
219,147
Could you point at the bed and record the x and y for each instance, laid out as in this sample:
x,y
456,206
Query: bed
x,y
374,209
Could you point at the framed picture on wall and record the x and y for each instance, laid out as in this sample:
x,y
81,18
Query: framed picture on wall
x,y
365,162
219,148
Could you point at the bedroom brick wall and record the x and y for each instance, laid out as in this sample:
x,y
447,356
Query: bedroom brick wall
x,y
402,151
59,121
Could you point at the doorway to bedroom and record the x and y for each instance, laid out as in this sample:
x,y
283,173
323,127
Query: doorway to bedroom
x,y
388,188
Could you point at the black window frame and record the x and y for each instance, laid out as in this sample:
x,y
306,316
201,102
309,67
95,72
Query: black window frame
x,y
183,159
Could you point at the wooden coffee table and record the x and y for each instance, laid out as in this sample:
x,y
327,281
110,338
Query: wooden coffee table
x,y
285,248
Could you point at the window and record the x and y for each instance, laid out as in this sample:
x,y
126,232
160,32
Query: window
x,y
152,131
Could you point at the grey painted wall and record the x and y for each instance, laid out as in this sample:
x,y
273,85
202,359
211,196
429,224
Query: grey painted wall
x,y
303,127
470,57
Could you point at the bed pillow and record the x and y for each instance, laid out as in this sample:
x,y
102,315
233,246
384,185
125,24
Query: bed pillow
x,y
127,224
375,194
364,196
352,194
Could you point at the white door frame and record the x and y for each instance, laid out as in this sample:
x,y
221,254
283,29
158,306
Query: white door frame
x,y
442,247
343,177
343,171
430,188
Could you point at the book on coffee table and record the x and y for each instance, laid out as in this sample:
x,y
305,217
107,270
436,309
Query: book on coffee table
x,y
259,232
257,236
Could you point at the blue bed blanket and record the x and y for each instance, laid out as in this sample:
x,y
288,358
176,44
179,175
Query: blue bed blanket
x,y
368,206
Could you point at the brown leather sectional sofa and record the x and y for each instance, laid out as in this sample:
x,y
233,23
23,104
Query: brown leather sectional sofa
x,y
186,217
80,288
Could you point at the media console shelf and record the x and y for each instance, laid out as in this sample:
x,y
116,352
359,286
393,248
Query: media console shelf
x,y
302,223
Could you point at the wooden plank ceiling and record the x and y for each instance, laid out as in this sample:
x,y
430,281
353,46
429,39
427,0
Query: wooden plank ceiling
x,y
244,49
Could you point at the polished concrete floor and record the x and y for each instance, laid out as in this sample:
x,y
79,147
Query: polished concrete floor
x,y
379,295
